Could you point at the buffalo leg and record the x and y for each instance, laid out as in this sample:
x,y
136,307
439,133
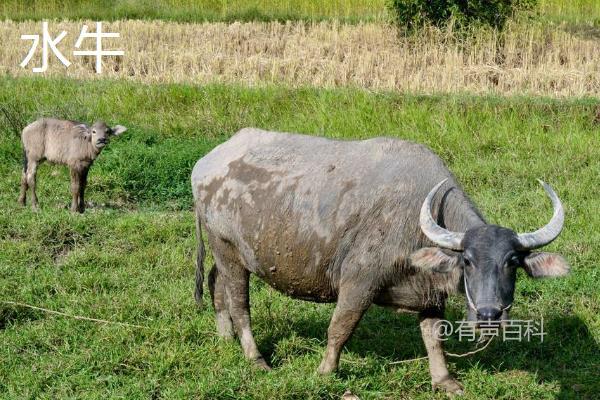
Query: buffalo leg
x,y
220,303
236,281
31,178
82,185
75,188
24,187
351,305
440,377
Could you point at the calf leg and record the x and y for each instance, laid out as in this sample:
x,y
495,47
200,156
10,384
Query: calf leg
x,y
220,303
440,377
31,177
82,185
24,187
352,303
75,189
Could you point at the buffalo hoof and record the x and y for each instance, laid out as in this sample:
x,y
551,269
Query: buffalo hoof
x,y
262,364
326,368
450,386
348,395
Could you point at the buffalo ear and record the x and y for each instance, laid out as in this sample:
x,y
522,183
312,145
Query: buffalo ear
x,y
541,265
118,129
84,131
434,259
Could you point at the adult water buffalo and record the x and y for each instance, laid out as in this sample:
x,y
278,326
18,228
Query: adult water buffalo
x,y
354,222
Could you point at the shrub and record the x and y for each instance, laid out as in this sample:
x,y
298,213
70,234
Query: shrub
x,y
413,14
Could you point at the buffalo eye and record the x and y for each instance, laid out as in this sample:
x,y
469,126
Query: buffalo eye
x,y
514,260
466,261
93,131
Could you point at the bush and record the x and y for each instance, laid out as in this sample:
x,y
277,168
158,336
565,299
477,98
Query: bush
x,y
413,14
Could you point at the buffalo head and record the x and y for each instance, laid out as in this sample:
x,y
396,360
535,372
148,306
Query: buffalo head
x,y
489,256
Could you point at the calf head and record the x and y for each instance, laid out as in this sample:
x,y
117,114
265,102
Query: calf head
x,y
489,256
99,134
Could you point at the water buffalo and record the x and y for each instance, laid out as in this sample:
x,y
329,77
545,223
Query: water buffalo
x,y
354,222
70,143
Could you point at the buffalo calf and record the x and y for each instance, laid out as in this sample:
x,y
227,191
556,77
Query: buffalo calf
x,y
63,142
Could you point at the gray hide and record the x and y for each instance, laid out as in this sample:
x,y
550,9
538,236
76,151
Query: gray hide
x,y
326,221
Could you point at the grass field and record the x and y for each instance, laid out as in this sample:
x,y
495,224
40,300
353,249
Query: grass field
x,y
130,257
197,10
554,54
351,11
536,58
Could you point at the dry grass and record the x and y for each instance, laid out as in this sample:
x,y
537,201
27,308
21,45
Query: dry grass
x,y
526,59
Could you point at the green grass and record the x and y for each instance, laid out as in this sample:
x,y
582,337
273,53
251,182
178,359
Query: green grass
x,y
574,11
196,10
132,259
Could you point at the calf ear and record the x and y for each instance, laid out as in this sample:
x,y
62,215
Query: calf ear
x,y
434,259
541,265
118,129
84,131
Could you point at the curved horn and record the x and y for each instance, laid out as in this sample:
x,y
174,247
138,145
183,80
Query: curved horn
x,y
438,235
546,234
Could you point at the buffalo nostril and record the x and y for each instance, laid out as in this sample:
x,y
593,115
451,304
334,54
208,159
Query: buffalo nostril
x,y
489,313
